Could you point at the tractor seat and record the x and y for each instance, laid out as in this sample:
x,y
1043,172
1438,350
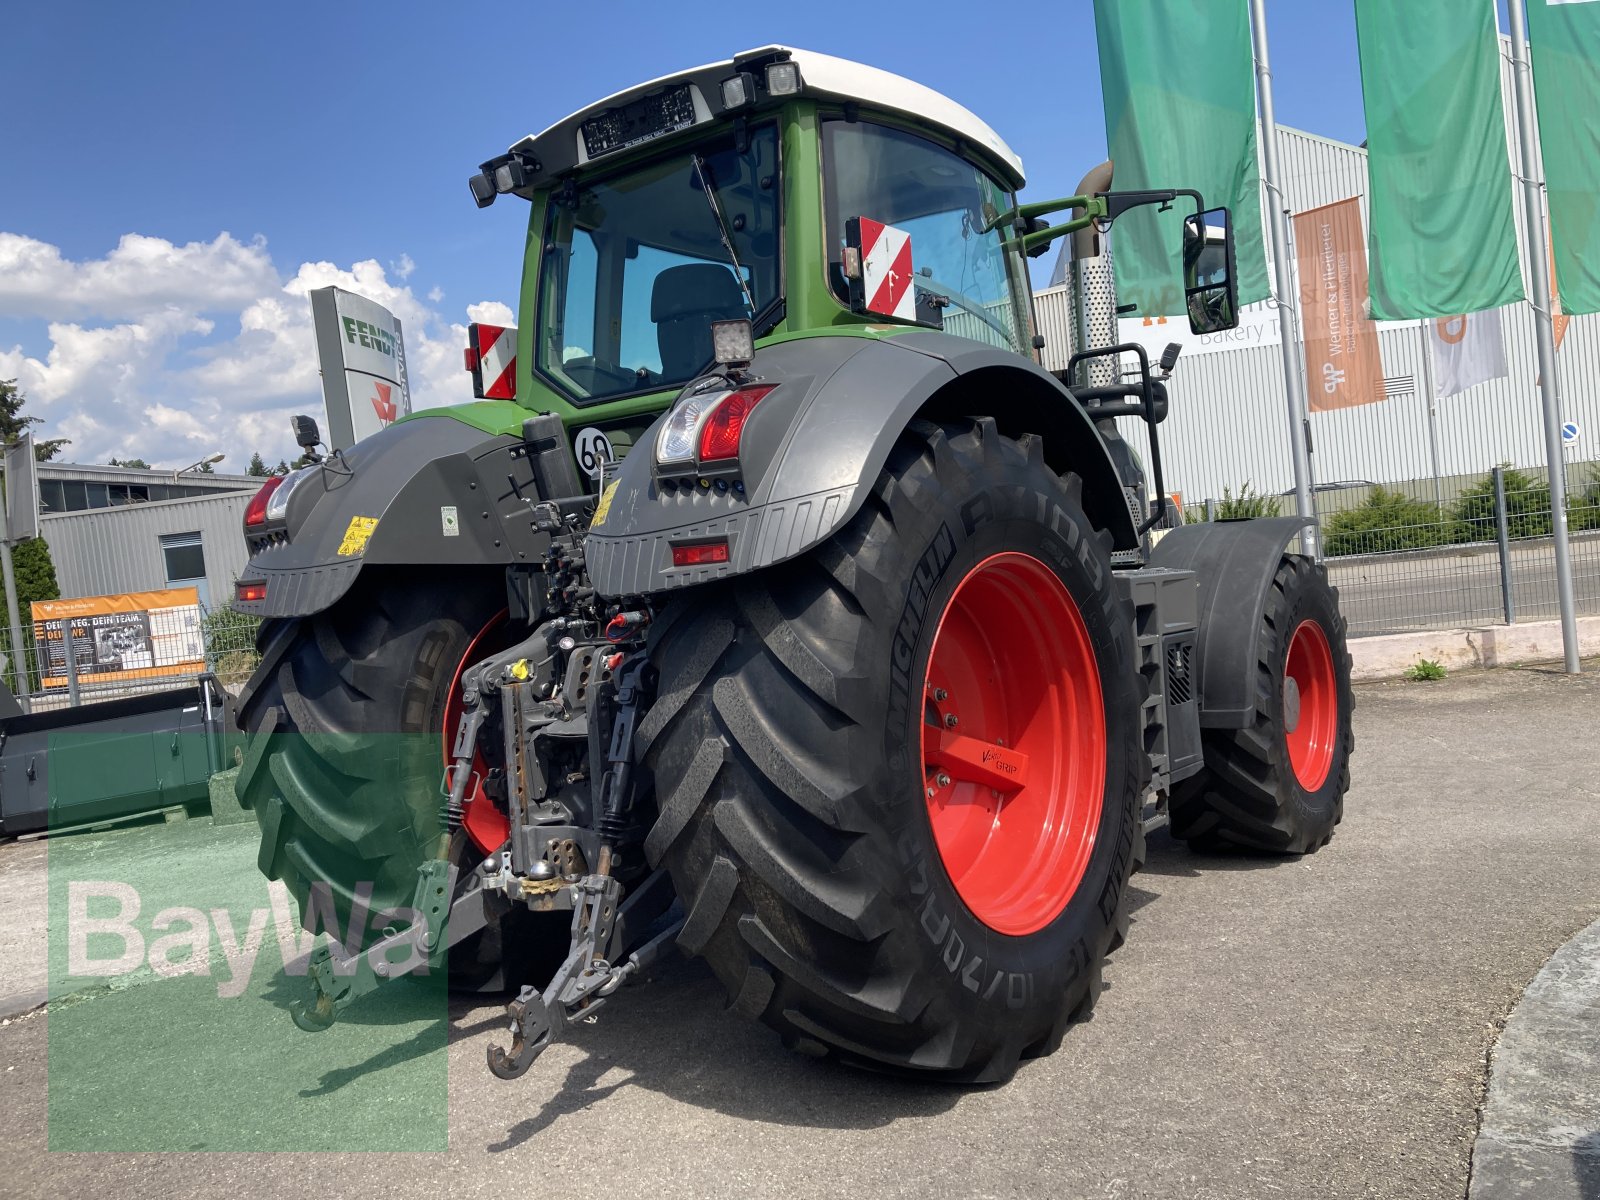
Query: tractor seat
x,y
683,303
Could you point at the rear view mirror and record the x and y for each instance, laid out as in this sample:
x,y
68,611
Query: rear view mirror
x,y
1210,289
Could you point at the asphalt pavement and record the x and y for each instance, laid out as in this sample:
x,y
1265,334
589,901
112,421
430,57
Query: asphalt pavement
x,y
1296,1028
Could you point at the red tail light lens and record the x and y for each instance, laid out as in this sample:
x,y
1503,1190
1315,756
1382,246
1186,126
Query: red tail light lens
x,y
719,436
255,512
249,592
700,555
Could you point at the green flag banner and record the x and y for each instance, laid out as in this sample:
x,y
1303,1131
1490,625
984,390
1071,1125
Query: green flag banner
x,y
1178,84
1441,239
1566,83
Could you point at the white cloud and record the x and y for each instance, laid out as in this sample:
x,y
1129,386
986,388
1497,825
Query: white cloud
x,y
492,312
435,294
142,275
204,347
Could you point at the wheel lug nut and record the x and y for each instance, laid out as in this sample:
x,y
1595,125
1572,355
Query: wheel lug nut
x,y
951,721
940,695
943,780
931,793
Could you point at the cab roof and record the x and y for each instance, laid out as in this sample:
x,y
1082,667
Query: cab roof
x,y
562,147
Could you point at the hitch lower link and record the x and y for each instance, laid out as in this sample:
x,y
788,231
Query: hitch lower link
x,y
583,982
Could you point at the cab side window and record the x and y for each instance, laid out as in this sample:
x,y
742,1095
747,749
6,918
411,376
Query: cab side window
x,y
963,279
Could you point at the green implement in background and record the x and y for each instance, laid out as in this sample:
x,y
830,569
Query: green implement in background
x,y
1180,102
1442,241
1566,84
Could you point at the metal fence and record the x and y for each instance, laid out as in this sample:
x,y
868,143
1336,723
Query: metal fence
x,y
36,673
1477,551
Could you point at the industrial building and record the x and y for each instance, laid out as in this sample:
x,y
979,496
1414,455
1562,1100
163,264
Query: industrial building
x,y
121,529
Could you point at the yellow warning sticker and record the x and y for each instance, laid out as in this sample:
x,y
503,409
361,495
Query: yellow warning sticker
x,y
604,506
357,534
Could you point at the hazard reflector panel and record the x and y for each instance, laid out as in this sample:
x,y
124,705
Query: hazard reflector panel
x,y
492,359
883,284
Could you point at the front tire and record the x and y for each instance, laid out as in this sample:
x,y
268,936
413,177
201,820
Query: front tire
x,y
1278,785
843,889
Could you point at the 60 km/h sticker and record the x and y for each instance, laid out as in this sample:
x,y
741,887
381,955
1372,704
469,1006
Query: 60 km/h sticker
x,y
593,451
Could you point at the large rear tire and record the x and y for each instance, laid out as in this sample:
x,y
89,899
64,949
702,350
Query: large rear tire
x,y
1278,785
899,778
344,723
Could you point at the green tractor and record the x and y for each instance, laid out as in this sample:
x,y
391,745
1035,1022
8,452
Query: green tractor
x,y
776,604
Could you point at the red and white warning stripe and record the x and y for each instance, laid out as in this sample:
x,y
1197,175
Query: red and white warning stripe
x,y
886,270
492,359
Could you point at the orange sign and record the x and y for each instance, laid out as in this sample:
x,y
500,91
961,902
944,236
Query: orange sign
x,y
1343,366
136,635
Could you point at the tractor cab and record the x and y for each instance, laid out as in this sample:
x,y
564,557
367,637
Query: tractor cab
x,y
739,191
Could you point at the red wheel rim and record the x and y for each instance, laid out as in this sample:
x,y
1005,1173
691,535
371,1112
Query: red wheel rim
x,y
1013,743
485,824
1310,705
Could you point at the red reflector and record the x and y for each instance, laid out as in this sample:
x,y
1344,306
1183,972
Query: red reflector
x,y
700,555
249,591
255,512
472,358
719,436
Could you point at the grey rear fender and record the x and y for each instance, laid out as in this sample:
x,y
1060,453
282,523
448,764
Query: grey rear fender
x,y
817,442
428,493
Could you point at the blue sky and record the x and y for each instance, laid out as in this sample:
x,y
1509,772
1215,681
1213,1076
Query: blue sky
x,y
332,143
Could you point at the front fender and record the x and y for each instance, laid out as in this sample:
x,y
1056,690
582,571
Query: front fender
x,y
1235,562
814,446
437,493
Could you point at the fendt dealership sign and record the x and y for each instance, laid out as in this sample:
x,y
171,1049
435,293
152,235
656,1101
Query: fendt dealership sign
x,y
362,351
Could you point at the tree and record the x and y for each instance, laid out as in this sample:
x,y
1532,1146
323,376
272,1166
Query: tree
x,y
13,424
36,580
205,468
129,462
258,466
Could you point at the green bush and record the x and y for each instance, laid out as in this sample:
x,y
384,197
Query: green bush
x,y
1246,505
1527,508
36,580
1384,521
231,644
1583,503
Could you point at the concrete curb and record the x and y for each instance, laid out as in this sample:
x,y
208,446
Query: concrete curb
x,y
1388,656
1540,1135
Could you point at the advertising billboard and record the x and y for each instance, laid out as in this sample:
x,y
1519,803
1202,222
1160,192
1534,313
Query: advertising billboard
x,y
134,635
362,352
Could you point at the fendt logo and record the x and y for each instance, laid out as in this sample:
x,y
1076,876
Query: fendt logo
x,y
362,333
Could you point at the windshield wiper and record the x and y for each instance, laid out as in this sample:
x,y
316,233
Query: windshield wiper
x,y
722,228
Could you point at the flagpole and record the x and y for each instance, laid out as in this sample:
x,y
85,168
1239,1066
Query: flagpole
x,y
1299,424
1538,270
1432,395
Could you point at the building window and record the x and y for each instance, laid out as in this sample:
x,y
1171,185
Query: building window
x,y
186,563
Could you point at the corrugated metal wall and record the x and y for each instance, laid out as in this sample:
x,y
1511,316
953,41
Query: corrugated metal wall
x,y
1228,423
107,550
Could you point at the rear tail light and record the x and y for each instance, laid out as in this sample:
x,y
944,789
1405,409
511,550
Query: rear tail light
x,y
249,592
701,554
255,512
707,426
719,436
